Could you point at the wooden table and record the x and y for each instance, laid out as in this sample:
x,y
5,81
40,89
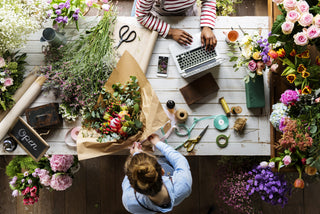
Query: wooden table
x,y
256,137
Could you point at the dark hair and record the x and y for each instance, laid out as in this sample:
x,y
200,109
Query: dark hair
x,y
144,173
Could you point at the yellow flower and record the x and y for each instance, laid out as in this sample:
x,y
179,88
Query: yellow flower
x,y
281,52
304,54
305,74
293,52
256,55
291,78
310,170
301,68
306,90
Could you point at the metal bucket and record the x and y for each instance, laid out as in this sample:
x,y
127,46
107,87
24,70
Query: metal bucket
x,y
53,37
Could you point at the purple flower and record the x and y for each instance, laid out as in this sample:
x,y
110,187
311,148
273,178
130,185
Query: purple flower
x,y
29,181
55,6
59,19
15,193
65,19
252,65
75,16
34,174
49,13
58,12
77,10
289,96
67,5
22,180
62,5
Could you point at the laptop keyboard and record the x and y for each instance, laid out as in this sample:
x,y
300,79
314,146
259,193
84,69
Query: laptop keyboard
x,y
190,60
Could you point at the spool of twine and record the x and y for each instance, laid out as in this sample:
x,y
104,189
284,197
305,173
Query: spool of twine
x,y
224,106
181,115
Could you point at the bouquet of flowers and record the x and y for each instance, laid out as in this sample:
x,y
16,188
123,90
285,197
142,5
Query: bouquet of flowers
x,y
118,116
294,33
299,144
77,71
20,18
254,55
11,77
27,176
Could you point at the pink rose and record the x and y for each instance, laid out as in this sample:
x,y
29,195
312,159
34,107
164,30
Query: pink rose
x,y
317,100
306,19
316,21
300,39
289,4
277,1
293,16
60,182
313,32
302,7
252,65
2,62
286,160
269,63
287,27
8,81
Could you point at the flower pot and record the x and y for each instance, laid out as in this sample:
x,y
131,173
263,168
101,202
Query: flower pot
x,y
255,97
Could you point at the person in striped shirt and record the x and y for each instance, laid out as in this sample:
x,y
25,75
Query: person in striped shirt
x,y
147,12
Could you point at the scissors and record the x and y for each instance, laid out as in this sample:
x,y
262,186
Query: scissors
x,y
128,38
190,143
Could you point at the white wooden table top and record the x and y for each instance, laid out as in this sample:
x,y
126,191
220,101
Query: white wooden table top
x,y
256,137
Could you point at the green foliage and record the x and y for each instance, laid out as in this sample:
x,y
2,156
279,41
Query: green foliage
x,y
226,7
276,27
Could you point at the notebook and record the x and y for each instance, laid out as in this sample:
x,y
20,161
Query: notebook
x,y
193,59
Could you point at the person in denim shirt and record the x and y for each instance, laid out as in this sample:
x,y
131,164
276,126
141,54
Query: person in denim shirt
x,y
145,187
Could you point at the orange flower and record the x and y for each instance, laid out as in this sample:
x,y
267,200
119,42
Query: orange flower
x,y
306,90
281,52
310,170
305,74
318,60
273,54
293,52
291,78
299,183
301,68
304,54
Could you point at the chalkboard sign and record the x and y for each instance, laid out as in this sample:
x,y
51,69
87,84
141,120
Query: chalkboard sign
x,y
29,139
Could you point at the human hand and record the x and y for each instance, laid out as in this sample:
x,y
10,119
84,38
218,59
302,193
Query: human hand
x,y
208,38
154,139
181,36
136,147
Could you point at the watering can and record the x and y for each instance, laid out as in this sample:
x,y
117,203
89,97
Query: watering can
x,y
53,37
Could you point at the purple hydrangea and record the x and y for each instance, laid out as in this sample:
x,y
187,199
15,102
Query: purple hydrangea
x,y
272,187
289,97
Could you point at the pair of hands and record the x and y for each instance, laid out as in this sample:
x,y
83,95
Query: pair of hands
x,y
208,38
137,147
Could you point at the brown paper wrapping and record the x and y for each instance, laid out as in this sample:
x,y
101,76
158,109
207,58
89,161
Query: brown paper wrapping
x,y
152,116
28,97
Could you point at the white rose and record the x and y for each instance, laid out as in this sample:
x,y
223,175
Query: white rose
x,y
247,51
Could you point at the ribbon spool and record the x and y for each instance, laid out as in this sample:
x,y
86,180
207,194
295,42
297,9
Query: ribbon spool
x,y
236,110
181,115
222,137
224,106
71,136
221,122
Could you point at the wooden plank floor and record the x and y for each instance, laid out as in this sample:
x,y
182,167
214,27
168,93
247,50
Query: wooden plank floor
x,y
97,186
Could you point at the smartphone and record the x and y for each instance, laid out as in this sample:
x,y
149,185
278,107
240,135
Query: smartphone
x,y
163,66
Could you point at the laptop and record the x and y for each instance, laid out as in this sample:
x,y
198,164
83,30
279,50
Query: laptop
x,y
193,59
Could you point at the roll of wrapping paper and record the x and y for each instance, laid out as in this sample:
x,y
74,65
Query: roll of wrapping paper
x,y
224,105
181,115
27,98
24,87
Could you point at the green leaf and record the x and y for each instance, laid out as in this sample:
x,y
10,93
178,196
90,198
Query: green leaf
x,y
288,71
286,61
276,27
126,117
138,124
93,114
136,107
272,39
313,129
230,54
234,58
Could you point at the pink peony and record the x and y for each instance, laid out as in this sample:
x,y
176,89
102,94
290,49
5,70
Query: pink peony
x,y
316,21
300,39
289,96
289,4
313,32
60,182
293,16
2,62
287,27
302,6
306,19
277,1
8,81
44,177
252,65
61,162
286,160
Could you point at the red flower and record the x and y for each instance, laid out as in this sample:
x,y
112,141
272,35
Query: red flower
x,y
299,183
293,52
25,191
26,201
273,54
304,161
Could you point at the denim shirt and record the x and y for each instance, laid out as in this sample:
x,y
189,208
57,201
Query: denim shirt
x,y
178,189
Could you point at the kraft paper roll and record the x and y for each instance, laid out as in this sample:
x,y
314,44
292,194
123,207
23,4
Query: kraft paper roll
x,y
28,97
181,115
24,87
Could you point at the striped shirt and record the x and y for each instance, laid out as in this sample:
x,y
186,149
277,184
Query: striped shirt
x,y
143,8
